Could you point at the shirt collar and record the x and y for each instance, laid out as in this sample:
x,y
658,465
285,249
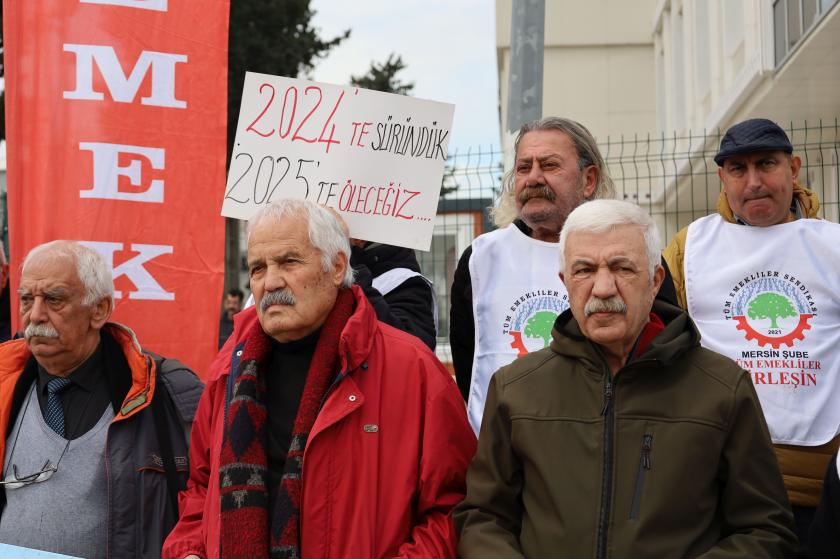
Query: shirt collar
x,y
86,376
304,345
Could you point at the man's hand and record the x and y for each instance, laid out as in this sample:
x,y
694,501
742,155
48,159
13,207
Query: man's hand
x,y
192,557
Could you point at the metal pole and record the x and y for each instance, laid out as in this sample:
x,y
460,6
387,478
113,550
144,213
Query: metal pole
x,y
525,78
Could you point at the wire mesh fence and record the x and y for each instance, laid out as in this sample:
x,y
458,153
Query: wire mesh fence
x,y
673,176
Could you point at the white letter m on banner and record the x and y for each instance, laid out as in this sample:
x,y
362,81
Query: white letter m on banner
x,y
124,89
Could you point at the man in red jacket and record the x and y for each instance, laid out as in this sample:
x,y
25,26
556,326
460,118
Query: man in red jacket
x,y
322,432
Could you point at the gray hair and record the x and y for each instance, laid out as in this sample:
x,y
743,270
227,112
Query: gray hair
x,y
504,212
325,232
601,216
91,268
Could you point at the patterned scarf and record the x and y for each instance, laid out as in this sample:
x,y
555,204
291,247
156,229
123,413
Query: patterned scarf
x,y
246,531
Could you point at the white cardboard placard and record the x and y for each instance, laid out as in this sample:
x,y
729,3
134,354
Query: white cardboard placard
x,y
16,552
377,158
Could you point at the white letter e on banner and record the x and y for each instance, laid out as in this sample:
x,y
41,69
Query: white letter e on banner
x,y
107,171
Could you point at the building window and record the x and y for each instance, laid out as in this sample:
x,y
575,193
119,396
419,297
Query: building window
x,y
779,30
794,23
809,13
792,20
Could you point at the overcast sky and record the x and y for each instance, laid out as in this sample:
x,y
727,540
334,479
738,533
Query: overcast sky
x,y
448,48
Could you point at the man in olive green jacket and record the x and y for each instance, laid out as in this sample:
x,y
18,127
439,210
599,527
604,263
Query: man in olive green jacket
x,y
624,438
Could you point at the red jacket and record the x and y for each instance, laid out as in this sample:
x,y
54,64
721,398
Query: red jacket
x,y
384,463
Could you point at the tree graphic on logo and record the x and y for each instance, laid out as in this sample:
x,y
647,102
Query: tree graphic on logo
x,y
772,306
539,326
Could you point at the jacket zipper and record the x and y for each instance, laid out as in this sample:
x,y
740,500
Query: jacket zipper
x,y
334,383
607,475
107,496
644,467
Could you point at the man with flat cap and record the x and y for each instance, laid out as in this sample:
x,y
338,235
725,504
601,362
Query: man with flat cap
x,y
759,278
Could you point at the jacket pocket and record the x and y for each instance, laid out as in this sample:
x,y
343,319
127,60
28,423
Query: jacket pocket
x,y
644,468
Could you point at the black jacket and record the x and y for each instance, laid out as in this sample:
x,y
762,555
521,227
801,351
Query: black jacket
x,y
410,306
139,511
462,321
824,539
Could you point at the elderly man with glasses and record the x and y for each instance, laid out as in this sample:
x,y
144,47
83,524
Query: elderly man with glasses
x,y
95,430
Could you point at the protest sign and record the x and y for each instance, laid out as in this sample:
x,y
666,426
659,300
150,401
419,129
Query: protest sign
x,y
16,552
377,158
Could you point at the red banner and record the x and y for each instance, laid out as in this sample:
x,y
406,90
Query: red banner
x,y
116,113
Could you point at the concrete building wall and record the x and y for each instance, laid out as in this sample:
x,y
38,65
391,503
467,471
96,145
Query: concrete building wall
x,y
720,62
598,64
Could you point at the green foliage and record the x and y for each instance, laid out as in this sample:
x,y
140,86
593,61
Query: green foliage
x,y
770,305
383,77
540,325
272,37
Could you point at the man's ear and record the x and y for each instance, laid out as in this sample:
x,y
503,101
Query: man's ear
x,y
339,269
795,165
590,181
658,277
720,176
562,277
101,312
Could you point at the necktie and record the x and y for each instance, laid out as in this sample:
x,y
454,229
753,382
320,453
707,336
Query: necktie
x,y
54,415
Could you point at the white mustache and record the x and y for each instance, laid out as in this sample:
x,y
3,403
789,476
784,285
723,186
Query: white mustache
x,y
279,297
613,304
41,331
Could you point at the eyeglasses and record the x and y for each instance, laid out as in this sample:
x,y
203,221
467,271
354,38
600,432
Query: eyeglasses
x,y
15,481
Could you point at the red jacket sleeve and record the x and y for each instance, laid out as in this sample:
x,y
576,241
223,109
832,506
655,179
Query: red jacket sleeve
x,y
448,446
187,538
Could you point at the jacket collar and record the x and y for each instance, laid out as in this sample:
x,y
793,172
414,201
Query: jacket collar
x,y
354,345
130,394
15,355
679,336
381,258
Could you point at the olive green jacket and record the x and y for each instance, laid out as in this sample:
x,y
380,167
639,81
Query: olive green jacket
x,y
671,457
